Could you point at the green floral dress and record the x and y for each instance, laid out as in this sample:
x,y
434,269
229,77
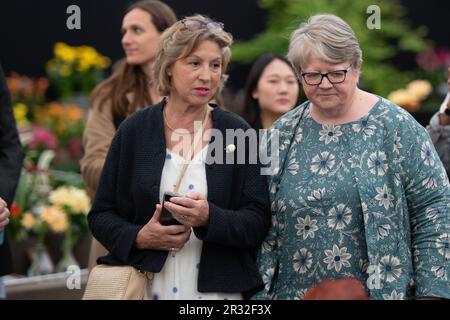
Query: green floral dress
x,y
367,199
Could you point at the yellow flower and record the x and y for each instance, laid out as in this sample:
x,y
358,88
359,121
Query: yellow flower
x,y
65,53
87,56
28,220
76,199
419,88
55,218
103,62
20,114
404,99
65,71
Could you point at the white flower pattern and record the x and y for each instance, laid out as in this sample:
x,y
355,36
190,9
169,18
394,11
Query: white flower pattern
x,y
337,258
339,171
322,163
330,133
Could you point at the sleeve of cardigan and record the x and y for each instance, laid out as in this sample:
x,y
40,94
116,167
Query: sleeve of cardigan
x,y
247,226
11,151
109,226
97,138
428,195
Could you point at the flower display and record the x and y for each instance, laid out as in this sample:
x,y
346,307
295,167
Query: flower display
x,y
75,199
75,69
411,97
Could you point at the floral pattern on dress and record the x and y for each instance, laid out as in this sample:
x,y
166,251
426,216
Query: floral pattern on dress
x,y
367,199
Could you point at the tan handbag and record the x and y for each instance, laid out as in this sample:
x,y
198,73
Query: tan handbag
x,y
116,283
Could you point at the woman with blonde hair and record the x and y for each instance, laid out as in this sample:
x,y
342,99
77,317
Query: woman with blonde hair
x,y
201,243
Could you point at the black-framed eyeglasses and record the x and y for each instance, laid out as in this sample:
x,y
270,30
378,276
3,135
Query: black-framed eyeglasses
x,y
193,25
334,77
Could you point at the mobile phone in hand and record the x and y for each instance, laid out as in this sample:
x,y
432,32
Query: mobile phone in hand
x,y
167,218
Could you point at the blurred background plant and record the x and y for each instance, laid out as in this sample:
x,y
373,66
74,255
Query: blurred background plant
x,y
51,200
75,69
381,72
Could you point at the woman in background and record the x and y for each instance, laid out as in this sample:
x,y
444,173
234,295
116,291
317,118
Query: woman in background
x,y
129,88
272,89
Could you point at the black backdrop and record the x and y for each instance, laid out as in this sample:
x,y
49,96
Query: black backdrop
x,y
29,28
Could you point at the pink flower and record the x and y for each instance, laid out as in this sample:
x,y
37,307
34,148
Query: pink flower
x,y
42,137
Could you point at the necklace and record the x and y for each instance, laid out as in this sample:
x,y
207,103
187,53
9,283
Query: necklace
x,y
178,131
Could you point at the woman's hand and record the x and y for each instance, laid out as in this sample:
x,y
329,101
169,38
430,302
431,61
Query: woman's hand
x,y
4,214
191,211
155,236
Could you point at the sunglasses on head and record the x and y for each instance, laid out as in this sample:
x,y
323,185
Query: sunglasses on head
x,y
193,25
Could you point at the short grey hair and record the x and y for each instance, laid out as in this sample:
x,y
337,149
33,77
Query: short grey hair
x,y
177,42
327,37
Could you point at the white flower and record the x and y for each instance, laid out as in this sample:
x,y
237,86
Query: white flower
x,y
443,245
302,260
76,199
337,258
384,197
306,227
427,154
390,268
293,166
365,128
268,275
322,163
393,296
383,231
330,133
230,148
339,217
397,144
316,195
377,163
429,183
440,272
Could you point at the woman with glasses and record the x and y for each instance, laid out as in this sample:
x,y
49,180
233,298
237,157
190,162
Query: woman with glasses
x,y
360,192
129,88
201,243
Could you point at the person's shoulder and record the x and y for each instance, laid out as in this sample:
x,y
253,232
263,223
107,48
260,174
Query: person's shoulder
x,y
140,119
396,113
292,116
398,119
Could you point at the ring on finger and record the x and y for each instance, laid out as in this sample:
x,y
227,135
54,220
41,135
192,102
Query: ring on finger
x,y
184,217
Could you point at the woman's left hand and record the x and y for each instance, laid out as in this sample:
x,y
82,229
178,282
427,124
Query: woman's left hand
x,y
191,210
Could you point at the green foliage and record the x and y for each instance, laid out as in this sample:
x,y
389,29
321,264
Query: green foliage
x,y
379,46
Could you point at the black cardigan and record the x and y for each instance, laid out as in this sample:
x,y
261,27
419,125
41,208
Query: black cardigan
x,y
128,192
11,157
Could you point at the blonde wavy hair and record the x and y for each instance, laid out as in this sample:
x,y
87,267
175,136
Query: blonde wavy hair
x,y
178,42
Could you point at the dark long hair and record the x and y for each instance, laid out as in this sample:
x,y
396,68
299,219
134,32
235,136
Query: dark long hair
x,y
250,108
128,78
